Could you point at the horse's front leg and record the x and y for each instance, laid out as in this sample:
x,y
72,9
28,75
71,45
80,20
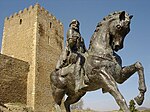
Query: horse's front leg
x,y
128,71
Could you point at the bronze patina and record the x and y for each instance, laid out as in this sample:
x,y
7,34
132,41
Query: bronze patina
x,y
100,67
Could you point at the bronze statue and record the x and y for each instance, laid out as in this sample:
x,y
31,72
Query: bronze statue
x,y
73,54
101,64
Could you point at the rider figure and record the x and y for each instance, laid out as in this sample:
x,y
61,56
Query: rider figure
x,y
75,47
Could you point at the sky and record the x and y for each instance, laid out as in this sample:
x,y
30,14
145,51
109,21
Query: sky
x,y
89,13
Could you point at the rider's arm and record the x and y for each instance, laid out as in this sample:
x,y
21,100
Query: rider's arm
x,y
83,47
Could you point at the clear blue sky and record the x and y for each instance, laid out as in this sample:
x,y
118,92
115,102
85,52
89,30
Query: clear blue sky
x,y
89,13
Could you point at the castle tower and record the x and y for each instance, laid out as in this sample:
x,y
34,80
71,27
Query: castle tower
x,y
35,36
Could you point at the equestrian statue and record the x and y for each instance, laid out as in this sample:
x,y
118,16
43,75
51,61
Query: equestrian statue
x,y
80,70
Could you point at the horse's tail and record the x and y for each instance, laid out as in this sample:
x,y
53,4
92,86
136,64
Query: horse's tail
x,y
56,80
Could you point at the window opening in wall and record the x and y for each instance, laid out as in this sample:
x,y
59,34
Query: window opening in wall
x,y
20,21
50,24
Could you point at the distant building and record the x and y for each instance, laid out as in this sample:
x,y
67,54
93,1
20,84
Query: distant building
x,y
34,39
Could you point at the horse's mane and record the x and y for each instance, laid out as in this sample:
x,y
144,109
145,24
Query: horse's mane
x,y
109,17
105,19
112,15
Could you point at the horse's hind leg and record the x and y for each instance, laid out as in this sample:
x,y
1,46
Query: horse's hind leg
x,y
129,71
119,98
111,86
72,99
58,95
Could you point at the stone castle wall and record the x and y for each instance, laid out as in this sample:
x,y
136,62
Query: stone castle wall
x,y
13,80
35,36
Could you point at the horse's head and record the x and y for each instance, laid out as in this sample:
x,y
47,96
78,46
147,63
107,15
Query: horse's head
x,y
119,27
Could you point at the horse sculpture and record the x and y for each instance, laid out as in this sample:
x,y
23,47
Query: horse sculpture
x,y
103,66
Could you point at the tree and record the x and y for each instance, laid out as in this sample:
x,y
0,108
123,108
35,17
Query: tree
x,y
132,106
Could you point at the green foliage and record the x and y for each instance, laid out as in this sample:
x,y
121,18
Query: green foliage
x,y
132,106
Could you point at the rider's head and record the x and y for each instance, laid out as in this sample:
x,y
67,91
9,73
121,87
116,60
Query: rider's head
x,y
74,23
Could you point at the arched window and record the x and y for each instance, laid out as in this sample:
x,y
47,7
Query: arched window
x,y
20,21
50,24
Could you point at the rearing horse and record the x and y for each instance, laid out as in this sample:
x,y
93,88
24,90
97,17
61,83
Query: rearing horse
x,y
103,67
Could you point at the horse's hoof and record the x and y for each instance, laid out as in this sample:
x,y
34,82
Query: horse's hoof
x,y
139,99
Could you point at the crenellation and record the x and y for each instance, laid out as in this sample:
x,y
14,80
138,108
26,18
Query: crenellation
x,y
25,10
60,23
30,7
47,12
50,15
54,18
15,14
6,18
20,12
37,5
42,9
11,16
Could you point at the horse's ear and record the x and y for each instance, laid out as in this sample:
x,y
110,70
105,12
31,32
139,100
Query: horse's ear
x,y
122,16
130,16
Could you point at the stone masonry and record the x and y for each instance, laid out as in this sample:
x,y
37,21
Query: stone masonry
x,y
13,79
34,36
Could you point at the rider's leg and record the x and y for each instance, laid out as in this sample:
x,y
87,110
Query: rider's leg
x,y
129,71
111,87
79,76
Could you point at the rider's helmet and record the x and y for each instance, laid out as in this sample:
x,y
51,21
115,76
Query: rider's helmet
x,y
74,21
